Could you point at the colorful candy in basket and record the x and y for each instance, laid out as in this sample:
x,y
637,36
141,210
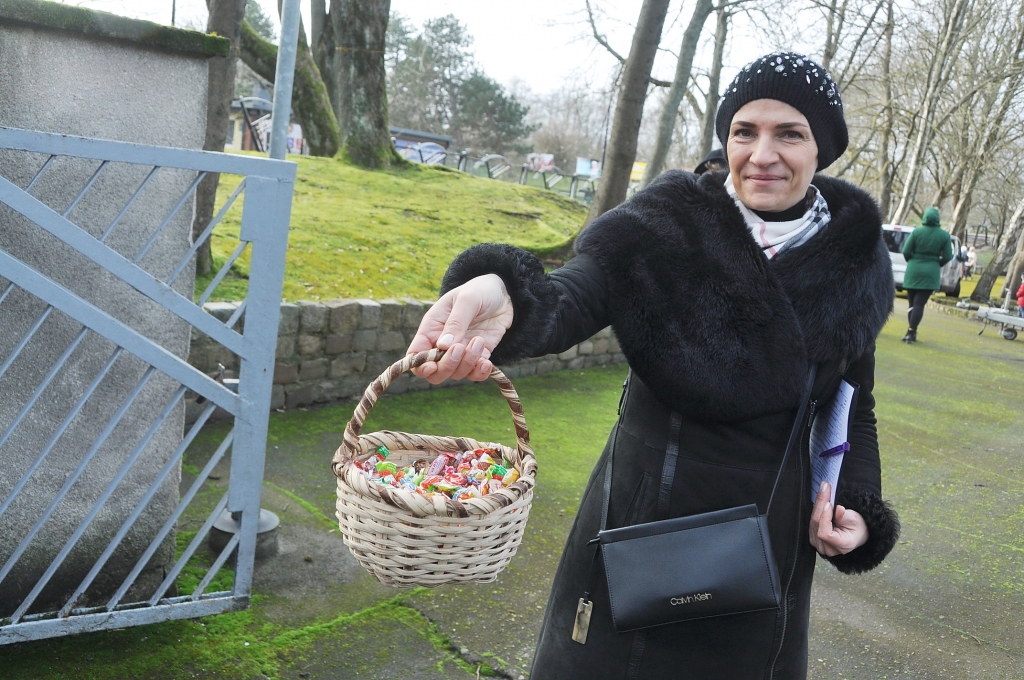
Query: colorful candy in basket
x,y
459,475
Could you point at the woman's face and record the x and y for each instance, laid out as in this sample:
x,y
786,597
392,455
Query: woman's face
x,y
772,155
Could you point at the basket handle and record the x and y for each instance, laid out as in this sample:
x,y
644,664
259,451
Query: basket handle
x,y
410,361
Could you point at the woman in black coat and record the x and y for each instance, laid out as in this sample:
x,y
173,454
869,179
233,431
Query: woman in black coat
x,y
723,290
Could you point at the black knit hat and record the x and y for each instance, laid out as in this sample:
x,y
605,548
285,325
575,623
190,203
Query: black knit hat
x,y
796,80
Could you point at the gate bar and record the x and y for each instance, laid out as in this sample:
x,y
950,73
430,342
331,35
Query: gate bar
x,y
137,512
141,154
26,338
98,505
171,216
88,185
35,395
69,482
39,174
198,242
171,521
128,205
118,265
72,414
103,324
190,550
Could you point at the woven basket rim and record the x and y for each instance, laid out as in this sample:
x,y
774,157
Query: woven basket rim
x,y
356,447
402,499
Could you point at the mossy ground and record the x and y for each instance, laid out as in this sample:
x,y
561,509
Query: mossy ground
x,y
946,604
389,234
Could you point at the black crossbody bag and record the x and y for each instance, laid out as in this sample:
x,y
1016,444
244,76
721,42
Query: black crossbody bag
x,y
711,564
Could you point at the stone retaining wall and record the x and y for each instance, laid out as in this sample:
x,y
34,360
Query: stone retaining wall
x,y
332,350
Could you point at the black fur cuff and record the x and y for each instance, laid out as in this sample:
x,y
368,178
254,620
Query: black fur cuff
x,y
883,531
533,295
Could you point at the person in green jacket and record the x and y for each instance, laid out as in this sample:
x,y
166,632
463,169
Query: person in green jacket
x,y
928,248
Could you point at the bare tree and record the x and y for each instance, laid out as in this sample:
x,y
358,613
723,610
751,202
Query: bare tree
x,y
1011,244
992,118
572,122
629,108
941,60
714,80
680,84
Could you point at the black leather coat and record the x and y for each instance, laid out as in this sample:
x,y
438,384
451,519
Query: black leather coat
x,y
716,332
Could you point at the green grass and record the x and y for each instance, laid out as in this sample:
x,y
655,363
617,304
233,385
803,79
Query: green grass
x,y
356,233
967,286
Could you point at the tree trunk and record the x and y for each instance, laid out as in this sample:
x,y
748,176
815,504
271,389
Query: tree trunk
x,y
1011,243
888,169
834,23
310,102
714,82
225,19
680,83
993,136
318,16
939,73
629,109
351,56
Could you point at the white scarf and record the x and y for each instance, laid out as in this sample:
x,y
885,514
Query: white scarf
x,y
775,237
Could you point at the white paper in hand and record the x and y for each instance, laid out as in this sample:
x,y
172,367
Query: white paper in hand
x,y
830,439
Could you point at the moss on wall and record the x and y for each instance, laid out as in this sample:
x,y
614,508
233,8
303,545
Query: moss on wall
x,y
89,22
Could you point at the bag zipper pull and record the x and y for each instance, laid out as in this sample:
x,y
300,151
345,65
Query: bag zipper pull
x,y
622,397
810,415
582,624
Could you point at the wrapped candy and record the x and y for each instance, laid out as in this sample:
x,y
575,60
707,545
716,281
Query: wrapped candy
x,y
437,465
458,475
385,468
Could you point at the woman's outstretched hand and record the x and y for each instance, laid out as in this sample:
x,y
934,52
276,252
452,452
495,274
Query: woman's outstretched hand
x,y
836,535
468,322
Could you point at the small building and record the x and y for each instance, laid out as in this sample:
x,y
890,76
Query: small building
x,y
250,122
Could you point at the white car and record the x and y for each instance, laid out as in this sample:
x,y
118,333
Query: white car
x,y
896,235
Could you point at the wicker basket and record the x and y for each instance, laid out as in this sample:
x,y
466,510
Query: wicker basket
x,y
406,539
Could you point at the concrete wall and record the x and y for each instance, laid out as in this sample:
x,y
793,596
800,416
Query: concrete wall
x,y
84,82
333,350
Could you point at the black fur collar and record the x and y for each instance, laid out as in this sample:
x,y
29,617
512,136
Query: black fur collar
x,y
713,327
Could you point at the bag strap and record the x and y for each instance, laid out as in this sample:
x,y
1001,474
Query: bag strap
x,y
668,469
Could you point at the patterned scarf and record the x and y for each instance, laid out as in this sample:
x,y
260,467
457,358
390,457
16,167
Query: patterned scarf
x,y
776,237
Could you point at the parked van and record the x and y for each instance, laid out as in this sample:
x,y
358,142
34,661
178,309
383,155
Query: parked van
x,y
896,235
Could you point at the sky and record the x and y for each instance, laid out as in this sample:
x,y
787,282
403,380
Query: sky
x,y
542,44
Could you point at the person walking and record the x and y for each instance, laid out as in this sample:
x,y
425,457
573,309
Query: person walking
x,y
972,262
733,295
926,251
1020,297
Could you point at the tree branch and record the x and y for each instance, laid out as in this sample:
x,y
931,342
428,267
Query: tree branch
x,y
603,42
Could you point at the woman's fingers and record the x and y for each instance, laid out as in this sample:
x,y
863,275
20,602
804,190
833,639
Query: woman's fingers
x,y
465,310
468,322
847,532
816,513
469,358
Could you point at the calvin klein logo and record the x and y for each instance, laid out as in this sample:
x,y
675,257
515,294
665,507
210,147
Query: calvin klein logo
x,y
690,599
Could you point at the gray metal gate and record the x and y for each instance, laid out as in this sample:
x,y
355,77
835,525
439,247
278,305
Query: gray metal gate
x,y
74,498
